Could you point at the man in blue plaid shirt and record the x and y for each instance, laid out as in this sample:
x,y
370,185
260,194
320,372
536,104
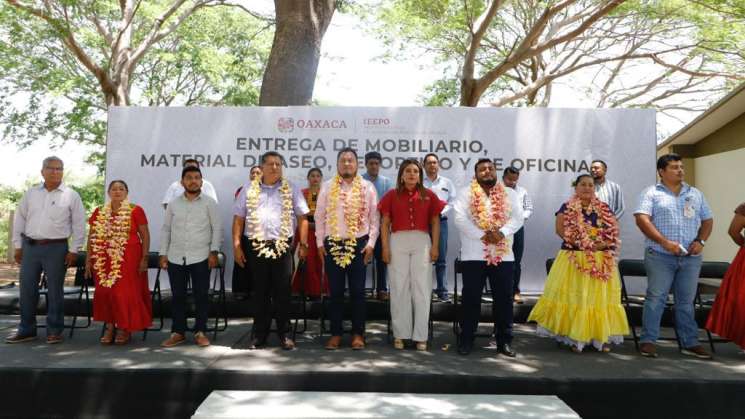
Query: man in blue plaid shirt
x,y
676,221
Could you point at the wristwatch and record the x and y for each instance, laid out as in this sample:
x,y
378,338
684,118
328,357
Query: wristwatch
x,y
703,243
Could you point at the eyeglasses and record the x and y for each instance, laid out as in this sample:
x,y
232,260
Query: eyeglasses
x,y
54,169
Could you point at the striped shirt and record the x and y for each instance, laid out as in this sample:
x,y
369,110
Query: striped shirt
x,y
610,193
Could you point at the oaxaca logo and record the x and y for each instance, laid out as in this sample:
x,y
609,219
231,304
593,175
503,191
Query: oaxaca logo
x,y
321,124
285,124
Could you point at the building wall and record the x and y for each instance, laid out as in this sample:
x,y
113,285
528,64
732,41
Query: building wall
x,y
721,177
730,137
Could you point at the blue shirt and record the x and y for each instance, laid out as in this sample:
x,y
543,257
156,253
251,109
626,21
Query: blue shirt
x,y
382,184
269,209
678,218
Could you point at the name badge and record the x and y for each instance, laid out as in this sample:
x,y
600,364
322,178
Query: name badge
x,y
688,210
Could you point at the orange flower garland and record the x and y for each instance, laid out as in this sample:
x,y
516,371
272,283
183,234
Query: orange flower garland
x,y
109,236
353,201
492,218
583,236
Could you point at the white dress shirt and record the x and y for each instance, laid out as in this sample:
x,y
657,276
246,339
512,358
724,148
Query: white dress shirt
x,y
177,189
56,214
470,234
444,188
524,199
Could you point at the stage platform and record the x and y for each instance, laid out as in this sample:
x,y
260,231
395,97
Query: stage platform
x,y
81,378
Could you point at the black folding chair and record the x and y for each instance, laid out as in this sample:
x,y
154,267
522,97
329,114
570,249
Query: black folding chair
x,y
712,274
299,272
80,290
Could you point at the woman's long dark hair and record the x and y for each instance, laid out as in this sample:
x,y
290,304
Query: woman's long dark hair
x,y
400,182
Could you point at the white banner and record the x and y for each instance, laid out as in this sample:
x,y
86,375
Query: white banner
x,y
146,147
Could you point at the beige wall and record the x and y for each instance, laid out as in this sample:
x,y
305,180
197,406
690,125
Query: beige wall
x,y
730,137
721,177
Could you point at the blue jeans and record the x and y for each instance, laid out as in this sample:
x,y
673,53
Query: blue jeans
x,y
49,258
440,264
679,273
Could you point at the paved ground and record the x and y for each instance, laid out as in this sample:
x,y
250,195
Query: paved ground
x,y
538,357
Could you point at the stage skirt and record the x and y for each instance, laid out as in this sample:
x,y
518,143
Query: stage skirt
x,y
577,309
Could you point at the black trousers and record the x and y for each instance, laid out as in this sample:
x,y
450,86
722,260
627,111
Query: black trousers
x,y
271,291
243,277
475,274
518,246
200,284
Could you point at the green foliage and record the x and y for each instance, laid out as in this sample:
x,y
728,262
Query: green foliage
x,y
442,29
216,57
9,198
91,193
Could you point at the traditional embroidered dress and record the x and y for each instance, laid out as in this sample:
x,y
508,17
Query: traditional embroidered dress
x,y
581,301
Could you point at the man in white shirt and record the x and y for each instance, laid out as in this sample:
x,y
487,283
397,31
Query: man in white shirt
x,y
510,177
177,189
444,188
47,216
487,215
190,240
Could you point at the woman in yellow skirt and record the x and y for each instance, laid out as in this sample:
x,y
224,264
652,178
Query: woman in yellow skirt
x,y
581,301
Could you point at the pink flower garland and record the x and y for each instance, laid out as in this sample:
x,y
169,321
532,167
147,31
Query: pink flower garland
x,y
491,219
581,235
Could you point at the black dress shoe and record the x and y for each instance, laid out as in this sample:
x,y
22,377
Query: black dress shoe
x,y
507,350
257,342
465,348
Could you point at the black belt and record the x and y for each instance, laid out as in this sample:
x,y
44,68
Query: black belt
x,y
363,238
42,242
443,218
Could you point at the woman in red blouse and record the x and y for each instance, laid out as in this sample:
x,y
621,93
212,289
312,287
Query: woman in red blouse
x,y
410,231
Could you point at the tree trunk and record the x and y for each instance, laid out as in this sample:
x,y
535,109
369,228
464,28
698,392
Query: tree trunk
x,y
291,71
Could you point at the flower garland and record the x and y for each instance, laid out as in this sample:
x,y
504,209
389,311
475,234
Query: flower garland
x,y
252,218
342,250
584,237
491,219
108,238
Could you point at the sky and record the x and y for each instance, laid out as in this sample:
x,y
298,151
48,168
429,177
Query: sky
x,y
348,75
